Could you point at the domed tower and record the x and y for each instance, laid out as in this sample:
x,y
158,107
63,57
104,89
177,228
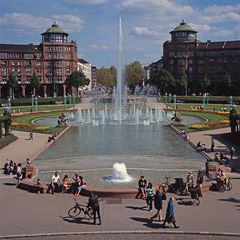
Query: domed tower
x,y
179,54
54,34
59,60
183,33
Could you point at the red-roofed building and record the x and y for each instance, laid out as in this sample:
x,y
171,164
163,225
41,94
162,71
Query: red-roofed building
x,y
185,55
52,61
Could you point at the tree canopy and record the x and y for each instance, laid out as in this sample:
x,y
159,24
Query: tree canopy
x,y
107,76
77,79
35,83
204,84
164,81
134,74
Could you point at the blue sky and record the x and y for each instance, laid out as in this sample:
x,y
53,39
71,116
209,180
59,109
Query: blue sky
x,y
93,24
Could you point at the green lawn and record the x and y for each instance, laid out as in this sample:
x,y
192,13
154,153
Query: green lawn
x,y
4,141
216,107
211,118
29,118
39,108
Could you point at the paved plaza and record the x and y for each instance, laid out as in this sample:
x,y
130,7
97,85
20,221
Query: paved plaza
x,y
24,213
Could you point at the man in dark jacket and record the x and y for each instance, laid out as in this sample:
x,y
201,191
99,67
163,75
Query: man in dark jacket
x,y
94,204
158,203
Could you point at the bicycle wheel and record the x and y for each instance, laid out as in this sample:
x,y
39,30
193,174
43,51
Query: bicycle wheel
x,y
228,186
222,188
74,211
196,201
90,213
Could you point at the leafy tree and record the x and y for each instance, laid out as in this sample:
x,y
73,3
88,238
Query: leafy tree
x,y
226,84
134,73
164,81
204,84
1,131
77,79
181,85
7,121
35,83
107,76
12,84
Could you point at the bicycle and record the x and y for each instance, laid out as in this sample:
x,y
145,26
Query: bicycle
x,y
224,185
167,187
78,208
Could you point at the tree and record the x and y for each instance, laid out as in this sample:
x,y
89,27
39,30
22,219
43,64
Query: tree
x,y
35,83
134,74
204,84
1,131
77,79
107,76
7,121
164,81
181,85
226,84
12,84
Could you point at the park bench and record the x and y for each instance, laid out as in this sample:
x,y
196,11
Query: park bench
x,y
58,102
30,186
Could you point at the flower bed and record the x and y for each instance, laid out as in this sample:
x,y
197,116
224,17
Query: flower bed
x,y
223,123
33,127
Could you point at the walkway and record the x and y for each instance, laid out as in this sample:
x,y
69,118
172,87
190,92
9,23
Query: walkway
x,y
21,149
28,213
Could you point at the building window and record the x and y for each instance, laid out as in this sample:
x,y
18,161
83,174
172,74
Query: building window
x,y
180,62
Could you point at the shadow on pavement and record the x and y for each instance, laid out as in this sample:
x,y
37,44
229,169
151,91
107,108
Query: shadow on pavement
x,y
146,222
137,208
76,220
10,184
233,200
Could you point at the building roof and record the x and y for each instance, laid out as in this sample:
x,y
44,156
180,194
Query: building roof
x,y
18,48
218,45
183,27
81,60
55,29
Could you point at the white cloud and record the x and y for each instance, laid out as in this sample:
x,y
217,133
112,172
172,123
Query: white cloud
x,y
160,7
144,31
26,22
70,22
203,28
87,2
221,13
98,46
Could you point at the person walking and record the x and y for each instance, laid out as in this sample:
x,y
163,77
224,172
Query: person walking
x,y
158,204
150,194
94,204
212,145
199,182
170,216
232,150
30,135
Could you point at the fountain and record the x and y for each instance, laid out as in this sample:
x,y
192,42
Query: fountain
x,y
118,131
120,112
119,174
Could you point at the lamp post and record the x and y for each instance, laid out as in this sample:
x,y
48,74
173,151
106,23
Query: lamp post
x,y
36,103
65,101
174,101
32,101
204,100
9,104
231,100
